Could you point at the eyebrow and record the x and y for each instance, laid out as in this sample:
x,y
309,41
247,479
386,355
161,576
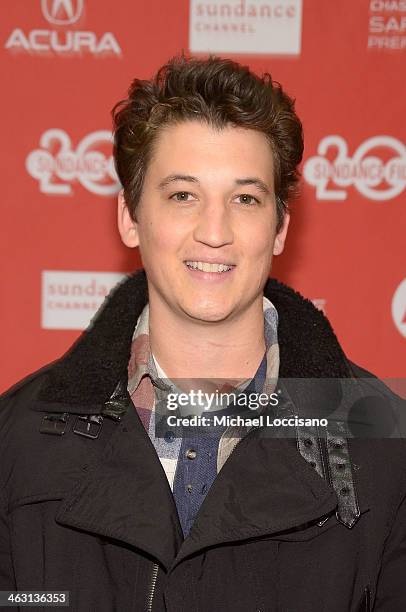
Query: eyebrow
x,y
171,178
250,180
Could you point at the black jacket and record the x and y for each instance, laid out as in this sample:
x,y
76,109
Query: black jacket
x,y
301,524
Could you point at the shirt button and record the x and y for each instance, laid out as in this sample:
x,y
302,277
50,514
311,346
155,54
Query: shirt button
x,y
191,454
169,436
189,488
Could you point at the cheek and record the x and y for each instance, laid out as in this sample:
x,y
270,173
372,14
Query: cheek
x,y
153,234
160,242
259,244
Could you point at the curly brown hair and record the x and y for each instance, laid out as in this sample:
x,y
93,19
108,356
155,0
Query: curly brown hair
x,y
217,91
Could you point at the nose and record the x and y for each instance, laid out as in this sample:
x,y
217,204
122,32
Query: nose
x,y
213,226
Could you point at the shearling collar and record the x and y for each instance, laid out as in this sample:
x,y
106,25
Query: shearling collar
x,y
88,373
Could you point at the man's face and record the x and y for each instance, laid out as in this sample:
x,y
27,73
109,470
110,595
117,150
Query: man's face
x,y
206,221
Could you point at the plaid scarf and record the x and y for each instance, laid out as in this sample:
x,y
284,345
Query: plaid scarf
x,y
148,385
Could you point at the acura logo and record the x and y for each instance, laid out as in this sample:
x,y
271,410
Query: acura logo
x,y
62,12
399,307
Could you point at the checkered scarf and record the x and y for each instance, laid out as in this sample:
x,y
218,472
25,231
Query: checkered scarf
x,y
146,387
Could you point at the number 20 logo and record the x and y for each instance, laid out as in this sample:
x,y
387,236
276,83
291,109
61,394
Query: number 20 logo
x,y
56,170
365,172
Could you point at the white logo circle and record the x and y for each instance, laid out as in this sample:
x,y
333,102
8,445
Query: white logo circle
x,y
61,12
374,177
399,307
56,170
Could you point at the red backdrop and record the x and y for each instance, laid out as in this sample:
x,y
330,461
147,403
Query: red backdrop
x,y
66,63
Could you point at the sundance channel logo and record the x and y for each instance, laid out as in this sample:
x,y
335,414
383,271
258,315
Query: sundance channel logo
x,y
57,165
246,26
58,33
377,169
70,299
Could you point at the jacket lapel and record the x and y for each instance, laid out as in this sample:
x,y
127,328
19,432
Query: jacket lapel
x,y
126,495
264,488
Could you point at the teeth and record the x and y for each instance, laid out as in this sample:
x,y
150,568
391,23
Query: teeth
x,y
207,267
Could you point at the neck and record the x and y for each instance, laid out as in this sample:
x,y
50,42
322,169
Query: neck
x,y
190,349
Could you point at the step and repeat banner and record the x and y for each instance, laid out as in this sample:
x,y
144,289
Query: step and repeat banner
x,y
65,63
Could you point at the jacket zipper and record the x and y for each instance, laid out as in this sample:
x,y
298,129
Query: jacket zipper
x,y
152,585
155,566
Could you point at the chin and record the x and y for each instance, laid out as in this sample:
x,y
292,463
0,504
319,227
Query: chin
x,y
208,315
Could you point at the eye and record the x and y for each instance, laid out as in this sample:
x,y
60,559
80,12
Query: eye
x,y
248,199
181,196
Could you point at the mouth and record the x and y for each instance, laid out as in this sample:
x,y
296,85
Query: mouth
x,y
212,268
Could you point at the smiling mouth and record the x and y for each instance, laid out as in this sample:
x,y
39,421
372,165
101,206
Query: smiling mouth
x,y
203,266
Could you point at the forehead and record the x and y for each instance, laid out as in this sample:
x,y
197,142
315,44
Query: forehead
x,y
197,148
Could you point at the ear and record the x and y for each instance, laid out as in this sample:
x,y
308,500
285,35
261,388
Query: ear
x,y
127,227
280,237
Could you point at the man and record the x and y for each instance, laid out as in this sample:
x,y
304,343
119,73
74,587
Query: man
x,y
101,497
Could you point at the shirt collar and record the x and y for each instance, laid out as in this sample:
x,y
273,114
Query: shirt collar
x,y
142,363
